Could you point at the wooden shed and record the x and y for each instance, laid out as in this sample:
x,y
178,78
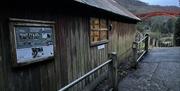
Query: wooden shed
x,y
45,46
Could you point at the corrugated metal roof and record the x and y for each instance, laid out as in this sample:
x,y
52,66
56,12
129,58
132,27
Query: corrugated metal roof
x,y
110,6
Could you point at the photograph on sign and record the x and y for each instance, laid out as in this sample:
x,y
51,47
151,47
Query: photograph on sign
x,y
33,43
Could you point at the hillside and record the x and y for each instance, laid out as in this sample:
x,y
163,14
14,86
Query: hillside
x,y
137,7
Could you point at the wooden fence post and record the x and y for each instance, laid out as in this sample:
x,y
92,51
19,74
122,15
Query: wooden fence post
x,y
147,42
135,55
113,70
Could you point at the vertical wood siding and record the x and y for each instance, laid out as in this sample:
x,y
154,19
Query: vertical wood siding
x,y
1,68
121,38
74,55
73,33
36,77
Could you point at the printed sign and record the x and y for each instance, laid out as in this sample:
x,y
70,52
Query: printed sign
x,y
33,42
101,47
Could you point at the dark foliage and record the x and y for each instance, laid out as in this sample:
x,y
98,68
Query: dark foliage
x,y
177,33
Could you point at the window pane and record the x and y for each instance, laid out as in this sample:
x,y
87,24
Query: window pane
x,y
103,24
99,30
92,36
94,24
103,35
95,37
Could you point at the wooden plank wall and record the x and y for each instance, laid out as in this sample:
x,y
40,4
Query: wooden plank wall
x,y
1,70
79,56
121,38
36,77
74,56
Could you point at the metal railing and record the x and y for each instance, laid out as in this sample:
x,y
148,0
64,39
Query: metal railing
x,y
113,64
112,68
140,48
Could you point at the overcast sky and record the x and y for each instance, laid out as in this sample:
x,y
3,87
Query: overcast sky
x,y
162,2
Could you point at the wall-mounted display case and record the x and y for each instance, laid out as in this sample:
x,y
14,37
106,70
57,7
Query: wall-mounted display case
x,y
31,40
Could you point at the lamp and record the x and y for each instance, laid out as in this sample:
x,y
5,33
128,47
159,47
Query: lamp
x,y
110,27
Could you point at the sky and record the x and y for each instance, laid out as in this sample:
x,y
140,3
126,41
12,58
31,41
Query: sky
x,y
163,2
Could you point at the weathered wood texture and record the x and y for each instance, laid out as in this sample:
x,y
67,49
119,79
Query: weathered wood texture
x,y
36,77
79,56
74,55
121,38
1,70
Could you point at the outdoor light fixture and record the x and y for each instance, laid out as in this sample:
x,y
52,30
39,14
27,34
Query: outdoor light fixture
x,y
110,27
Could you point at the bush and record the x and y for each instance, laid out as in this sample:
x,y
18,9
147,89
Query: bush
x,y
177,33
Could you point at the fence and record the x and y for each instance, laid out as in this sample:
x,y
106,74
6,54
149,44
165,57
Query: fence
x,y
112,72
139,49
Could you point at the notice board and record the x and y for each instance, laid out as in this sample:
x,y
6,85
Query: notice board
x,y
32,41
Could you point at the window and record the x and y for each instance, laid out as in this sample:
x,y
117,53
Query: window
x,y
99,31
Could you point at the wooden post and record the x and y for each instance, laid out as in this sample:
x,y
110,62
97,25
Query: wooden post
x,y
134,47
147,42
113,70
153,42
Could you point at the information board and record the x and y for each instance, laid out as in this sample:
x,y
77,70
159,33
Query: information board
x,y
33,42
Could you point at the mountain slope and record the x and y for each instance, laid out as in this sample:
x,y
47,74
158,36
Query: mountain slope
x,y
137,7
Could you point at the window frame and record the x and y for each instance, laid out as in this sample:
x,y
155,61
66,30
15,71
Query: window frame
x,y
97,43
